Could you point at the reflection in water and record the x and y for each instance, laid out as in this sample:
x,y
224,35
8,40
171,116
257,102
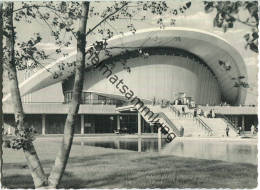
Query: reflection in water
x,y
139,144
238,151
214,150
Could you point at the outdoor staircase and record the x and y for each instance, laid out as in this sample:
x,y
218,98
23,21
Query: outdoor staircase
x,y
228,122
218,125
163,119
192,126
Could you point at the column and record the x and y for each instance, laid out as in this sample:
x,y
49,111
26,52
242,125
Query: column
x,y
139,124
117,143
243,123
139,144
43,123
152,128
142,125
81,143
159,139
9,130
118,122
82,124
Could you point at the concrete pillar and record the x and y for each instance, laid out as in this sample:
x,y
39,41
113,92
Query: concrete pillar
x,y
139,124
142,125
243,123
9,130
43,123
82,123
159,139
203,84
117,143
118,122
82,143
139,144
152,128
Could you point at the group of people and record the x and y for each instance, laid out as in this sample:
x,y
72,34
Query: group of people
x,y
200,112
184,100
253,130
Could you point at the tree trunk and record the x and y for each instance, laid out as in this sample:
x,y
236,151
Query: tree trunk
x,y
1,93
63,154
33,161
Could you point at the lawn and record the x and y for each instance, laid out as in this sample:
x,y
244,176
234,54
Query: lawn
x,y
96,167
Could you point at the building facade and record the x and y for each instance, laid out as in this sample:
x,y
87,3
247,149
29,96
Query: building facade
x,y
176,60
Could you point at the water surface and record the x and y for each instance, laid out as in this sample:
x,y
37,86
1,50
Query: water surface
x,y
240,151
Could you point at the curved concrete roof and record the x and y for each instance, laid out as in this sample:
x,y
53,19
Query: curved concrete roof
x,y
209,47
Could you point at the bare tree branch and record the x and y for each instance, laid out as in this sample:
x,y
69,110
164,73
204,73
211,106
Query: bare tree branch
x,y
104,19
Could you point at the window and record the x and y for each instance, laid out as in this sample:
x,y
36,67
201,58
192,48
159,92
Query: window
x,y
86,98
68,97
101,99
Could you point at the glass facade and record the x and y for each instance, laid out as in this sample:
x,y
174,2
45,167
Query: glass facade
x,y
128,123
92,98
67,97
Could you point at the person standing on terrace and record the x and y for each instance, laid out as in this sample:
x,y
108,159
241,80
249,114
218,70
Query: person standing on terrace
x,y
252,129
227,131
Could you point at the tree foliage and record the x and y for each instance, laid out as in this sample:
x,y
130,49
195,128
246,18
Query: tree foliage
x,y
61,19
228,13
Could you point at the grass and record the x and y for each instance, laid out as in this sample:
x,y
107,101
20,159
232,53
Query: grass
x,y
96,167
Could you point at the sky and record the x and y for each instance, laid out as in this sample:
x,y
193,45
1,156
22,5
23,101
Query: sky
x,y
194,17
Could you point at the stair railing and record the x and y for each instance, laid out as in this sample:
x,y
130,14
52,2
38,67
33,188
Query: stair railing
x,y
166,119
170,123
228,122
197,120
205,126
177,112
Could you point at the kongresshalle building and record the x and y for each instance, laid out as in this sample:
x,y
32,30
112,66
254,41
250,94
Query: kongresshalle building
x,y
164,71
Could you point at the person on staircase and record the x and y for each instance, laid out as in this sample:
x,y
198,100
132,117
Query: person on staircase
x,y
181,131
205,114
195,112
183,110
227,131
239,130
210,113
252,129
213,113
198,111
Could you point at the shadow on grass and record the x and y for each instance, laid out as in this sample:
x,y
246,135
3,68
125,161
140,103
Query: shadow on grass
x,y
124,170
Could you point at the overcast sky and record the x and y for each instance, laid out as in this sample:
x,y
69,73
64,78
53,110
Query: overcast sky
x,y
194,17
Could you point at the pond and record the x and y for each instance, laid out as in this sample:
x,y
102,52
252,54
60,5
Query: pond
x,y
213,149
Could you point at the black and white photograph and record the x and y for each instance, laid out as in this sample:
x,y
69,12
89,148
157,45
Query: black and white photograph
x,y
129,94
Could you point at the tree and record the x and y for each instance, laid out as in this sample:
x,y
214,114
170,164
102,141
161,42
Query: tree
x,y
64,16
1,92
227,14
24,141
63,155
23,134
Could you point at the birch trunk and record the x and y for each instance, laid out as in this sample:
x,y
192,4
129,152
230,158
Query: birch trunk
x,y
33,161
1,93
63,154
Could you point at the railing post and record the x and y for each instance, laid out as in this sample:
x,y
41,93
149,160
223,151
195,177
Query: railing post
x,y
139,144
243,123
139,124
43,123
118,122
159,139
82,122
